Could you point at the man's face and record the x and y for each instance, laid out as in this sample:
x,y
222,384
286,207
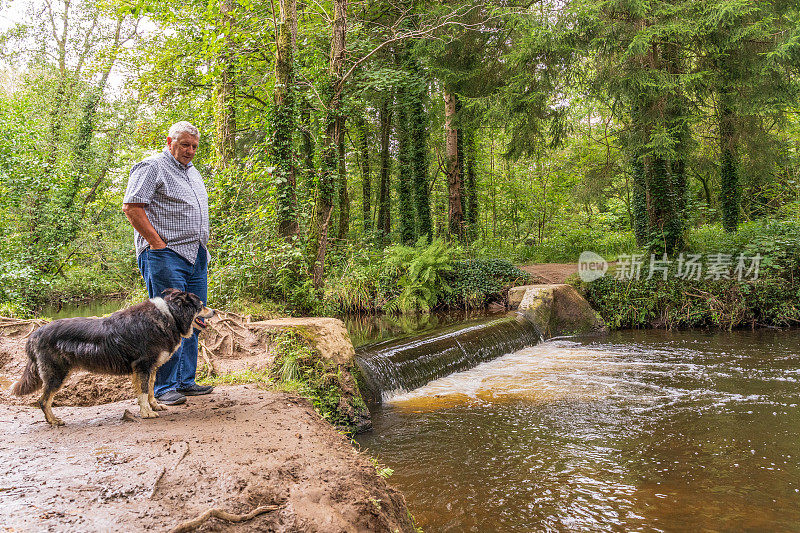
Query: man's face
x,y
183,148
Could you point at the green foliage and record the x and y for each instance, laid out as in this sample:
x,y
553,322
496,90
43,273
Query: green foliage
x,y
333,390
475,282
567,246
676,303
420,272
776,241
771,300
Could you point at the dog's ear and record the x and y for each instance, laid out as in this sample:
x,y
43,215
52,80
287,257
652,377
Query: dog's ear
x,y
169,292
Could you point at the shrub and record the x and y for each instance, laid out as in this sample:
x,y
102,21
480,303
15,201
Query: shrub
x,y
475,282
420,272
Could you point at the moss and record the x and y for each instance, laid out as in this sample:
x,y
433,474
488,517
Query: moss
x,y
332,388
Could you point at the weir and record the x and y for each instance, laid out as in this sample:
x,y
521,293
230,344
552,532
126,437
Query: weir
x,y
400,365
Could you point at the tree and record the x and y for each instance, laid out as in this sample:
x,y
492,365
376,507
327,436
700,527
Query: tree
x,y
284,120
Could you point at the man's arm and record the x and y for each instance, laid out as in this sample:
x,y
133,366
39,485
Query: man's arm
x,y
138,219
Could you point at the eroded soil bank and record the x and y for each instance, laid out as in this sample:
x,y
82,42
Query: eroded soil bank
x,y
236,449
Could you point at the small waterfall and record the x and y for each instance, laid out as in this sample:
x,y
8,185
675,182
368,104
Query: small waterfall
x,y
401,365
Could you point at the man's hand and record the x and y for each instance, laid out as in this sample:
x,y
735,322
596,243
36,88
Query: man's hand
x,y
138,218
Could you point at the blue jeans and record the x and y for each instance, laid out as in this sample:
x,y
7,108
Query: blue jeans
x,y
165,269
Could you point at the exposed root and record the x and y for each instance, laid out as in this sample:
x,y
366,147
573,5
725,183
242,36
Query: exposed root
x,y
212,370
17,324
223,515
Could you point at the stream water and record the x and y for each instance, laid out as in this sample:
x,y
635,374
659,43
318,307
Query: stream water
x,y
639,430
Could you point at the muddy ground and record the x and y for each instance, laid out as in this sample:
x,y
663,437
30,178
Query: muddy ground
x,y
550,272
236,449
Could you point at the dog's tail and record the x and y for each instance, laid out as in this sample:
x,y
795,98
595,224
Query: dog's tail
x,y
30,380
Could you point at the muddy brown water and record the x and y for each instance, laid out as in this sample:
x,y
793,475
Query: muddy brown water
x,y
639,430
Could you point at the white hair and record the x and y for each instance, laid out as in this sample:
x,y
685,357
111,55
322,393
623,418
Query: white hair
x,y
183,126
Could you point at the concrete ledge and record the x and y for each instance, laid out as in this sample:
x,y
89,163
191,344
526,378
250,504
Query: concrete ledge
x,y
556,309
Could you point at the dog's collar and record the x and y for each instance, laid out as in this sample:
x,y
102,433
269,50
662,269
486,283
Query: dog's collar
x,y
162,306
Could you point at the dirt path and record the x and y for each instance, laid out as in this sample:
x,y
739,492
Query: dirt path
x,y
236,449
551,272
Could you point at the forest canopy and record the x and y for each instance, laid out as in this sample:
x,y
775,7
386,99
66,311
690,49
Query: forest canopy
x,y
345,141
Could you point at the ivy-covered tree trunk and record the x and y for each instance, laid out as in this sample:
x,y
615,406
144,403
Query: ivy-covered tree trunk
x,y
470,187
640,218
366,179
344,196
658,143
419,155
284,122
318,239
405,174
307,143
384,222
729,193
455,210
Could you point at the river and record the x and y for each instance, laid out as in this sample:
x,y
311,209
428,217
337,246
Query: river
x,y
638,430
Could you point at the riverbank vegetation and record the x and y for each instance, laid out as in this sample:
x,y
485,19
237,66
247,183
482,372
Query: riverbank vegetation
x,y
400,156
719,291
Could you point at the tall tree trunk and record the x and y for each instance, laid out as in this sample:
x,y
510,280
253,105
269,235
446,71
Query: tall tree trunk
x,y
307,141
284,122
344,197
419,154
225,93
366,184
384,224
730,193
470,187
318,242
405,175
454,187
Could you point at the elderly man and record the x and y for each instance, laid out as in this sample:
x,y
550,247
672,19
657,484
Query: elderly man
x,y
167,205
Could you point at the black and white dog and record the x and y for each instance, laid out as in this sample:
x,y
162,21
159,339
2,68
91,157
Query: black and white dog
x,y
135,341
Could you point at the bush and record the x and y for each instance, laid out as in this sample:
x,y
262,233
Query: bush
x,y
676,303
777,241
476,282
420,272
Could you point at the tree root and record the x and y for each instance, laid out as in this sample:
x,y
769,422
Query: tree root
x,y
222,515
204,351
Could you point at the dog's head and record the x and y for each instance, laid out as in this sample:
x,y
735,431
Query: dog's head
x,y
187,309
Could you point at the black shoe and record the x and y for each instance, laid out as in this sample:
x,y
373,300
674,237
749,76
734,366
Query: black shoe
x,y
171,398
196,390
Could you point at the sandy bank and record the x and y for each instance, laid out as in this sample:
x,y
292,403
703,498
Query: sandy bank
x,y
236,449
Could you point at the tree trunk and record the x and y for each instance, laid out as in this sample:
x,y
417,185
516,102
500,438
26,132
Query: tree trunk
x,y
419,154
384,225
729,194
470,188
366,184
454,196
318,242
284,122
307,141
344,197
405,174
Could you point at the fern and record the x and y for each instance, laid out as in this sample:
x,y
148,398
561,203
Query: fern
x,y
420,272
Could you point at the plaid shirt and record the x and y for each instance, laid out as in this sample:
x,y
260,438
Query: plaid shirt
x,y
177,203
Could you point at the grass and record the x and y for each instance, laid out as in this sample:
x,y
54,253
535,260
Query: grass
x,y
239,377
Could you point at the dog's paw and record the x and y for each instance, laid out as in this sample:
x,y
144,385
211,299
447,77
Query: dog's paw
x,y
55,422
155,406
149,414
